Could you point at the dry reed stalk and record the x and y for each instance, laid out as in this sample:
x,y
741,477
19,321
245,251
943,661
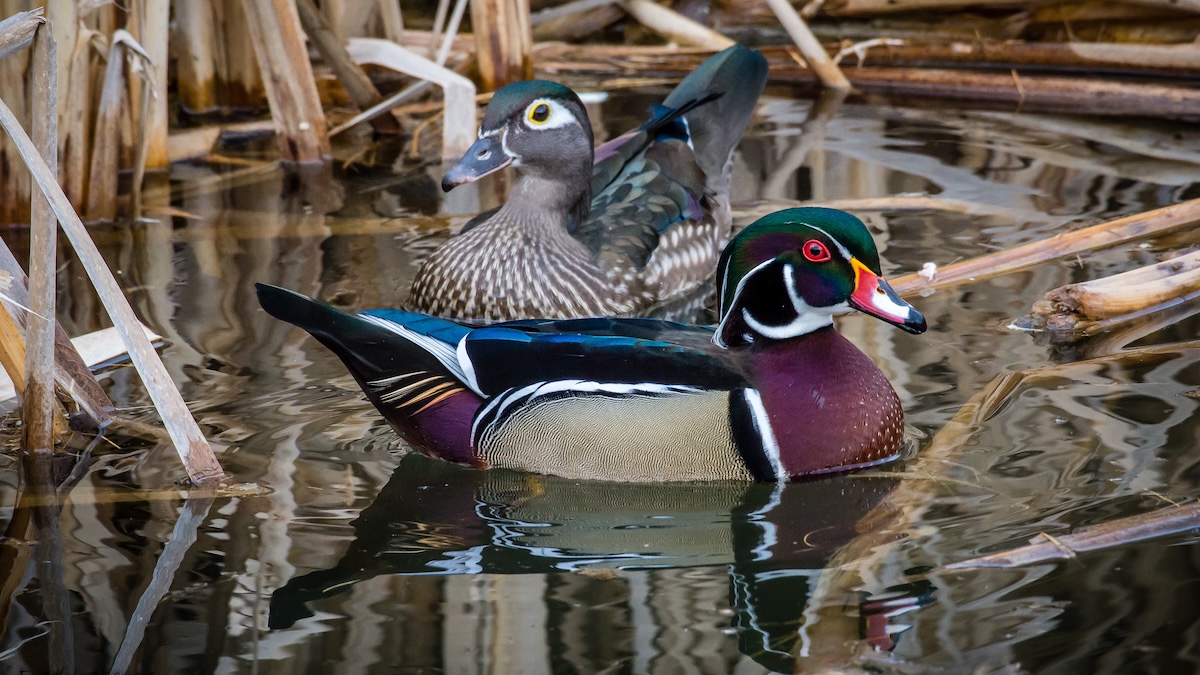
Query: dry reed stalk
x,y
193,448
503,40
16,31
76,386
360,88
194,39
184,534
12,351
38,409
199,141
355,17
1044,548
1074,307
291,91
810,48
105,163
14,183
1031,92
1082,11
1103,235
439,22
334,11
867,7
154,30
393,20
458,92
239,77
1111,336
75,117
1118,57
1025,92
575,20
675,26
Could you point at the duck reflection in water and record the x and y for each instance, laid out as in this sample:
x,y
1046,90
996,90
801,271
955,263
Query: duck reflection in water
x,y
434,518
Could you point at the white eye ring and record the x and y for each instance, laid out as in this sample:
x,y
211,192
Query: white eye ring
x,y
558,116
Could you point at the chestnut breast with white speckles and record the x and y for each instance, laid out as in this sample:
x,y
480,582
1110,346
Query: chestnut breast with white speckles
x,y
828,404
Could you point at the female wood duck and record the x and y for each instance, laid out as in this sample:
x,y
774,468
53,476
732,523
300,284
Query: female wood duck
x,y
645,221
773,393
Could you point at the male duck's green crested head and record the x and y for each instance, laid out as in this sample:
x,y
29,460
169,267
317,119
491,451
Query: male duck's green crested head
x,y
540,127
788,273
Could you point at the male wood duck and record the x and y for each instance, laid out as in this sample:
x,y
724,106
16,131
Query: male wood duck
x,y
774,392
645,221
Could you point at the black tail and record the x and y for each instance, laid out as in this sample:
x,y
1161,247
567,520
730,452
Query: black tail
x,y
372,353
738,75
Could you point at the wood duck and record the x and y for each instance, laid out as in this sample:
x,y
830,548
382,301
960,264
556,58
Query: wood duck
x,y
594,233
774,392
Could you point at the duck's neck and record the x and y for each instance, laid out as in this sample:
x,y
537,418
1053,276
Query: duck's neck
x,y
827,404
563,197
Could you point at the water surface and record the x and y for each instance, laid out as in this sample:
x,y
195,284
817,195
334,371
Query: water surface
x,y
365,558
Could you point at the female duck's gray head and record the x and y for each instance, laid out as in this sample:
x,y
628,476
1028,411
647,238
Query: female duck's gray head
x,y
538,126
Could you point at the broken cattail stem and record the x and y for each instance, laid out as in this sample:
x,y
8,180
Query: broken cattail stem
x,y
76,386
360,88
153,38
16,32
1080,307
193,448
439,22
393,20
1133,290
675,26
184,534
1103,235
503,40
1043,548
287,74
38,404
194,39
12,351
861,7
810,48
106,153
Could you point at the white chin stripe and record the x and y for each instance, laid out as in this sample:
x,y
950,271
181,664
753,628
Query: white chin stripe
x,y
805,323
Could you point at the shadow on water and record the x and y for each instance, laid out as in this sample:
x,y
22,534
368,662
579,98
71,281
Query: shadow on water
x,y
359,557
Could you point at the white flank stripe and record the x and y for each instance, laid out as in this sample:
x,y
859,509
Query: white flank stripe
x,y
464,360
443,352
762,424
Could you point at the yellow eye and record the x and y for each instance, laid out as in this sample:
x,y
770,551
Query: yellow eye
x,y
539,114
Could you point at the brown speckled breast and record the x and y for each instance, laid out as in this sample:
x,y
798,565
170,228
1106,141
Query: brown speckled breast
x,y
502,271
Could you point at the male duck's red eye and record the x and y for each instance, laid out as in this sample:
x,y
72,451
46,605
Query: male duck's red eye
x,y
815,251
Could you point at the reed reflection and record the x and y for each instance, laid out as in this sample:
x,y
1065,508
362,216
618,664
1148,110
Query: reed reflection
x,y
433,518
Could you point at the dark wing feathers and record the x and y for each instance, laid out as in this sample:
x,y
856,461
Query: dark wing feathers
x,y
507,356
654,190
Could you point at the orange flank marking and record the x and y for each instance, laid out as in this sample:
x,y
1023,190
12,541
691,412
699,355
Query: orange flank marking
x,y
432,391
439,399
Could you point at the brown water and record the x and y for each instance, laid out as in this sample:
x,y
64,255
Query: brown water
x,y
363,558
